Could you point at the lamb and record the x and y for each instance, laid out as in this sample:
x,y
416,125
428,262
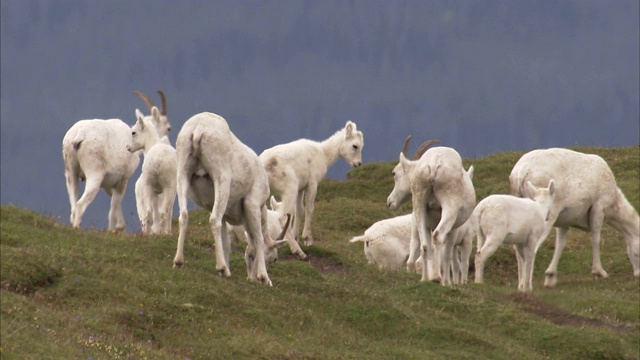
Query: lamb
x,y
276,220
443,198
161,123
218,172
588,197
156,188
296,168
95,151
521,222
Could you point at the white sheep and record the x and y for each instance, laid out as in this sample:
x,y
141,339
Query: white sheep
x,y
443,198
95,151
588,197
218,172
276,220
155,190
521,222
296,168
161,122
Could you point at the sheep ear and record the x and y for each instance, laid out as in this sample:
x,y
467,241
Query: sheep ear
x,y
139,117
155,113
349,127
403,161
470,172
552,187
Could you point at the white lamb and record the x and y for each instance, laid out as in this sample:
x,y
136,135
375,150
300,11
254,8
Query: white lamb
x,y
443,198
277,223
161,122
156,188
218,172
296,168
95,151
521,222
588,197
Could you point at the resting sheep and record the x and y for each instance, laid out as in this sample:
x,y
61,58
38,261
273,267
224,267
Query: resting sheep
x,y
156,188
296,168
443,198
588,197
95,151
521,222
218,172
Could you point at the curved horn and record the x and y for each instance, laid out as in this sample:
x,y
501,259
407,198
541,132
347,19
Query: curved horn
x,y
285,228
164,103
423,148
145,98
405,146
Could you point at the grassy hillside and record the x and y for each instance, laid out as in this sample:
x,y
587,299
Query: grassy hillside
x,y
79,294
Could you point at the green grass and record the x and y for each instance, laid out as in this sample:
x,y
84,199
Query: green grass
x,y
79,294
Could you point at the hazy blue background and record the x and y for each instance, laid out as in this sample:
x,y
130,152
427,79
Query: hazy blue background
x,y
481,76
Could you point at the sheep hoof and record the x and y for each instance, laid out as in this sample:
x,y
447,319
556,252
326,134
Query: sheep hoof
x,y
550,280
308,241
177,264
600,273
301,255
224,272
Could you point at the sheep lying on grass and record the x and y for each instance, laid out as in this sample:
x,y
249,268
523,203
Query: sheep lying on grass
x,y
588,197
512,220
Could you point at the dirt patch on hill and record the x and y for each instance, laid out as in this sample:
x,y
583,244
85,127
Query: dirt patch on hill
x,y
556,314
323,264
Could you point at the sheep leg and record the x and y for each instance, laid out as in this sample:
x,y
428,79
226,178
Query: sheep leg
x,y
426,244
222,191
596,220
182,178
253,225
441,236
491,244
465,253
156,227
309,205
455,265
91,189
71,176
519,249
447,255
414,249
551,274
528,259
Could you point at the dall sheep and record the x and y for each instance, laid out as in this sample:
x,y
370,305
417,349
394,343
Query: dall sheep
x,y
443,198
521,222
161,122
95,151
276,220
218,172
588,197
296,168
156,188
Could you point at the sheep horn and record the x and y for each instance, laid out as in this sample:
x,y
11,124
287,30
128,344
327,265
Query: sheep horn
x,y
284,229
145,98
423,148
164,103
405,146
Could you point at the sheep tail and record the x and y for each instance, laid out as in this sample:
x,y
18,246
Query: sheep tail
x,y
196,138
358,238
77,140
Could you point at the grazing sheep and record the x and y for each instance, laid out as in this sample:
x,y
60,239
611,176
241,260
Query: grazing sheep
x,y
521,222
156,188
161,122
443,198
588,197
218,172
296,168
95,151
